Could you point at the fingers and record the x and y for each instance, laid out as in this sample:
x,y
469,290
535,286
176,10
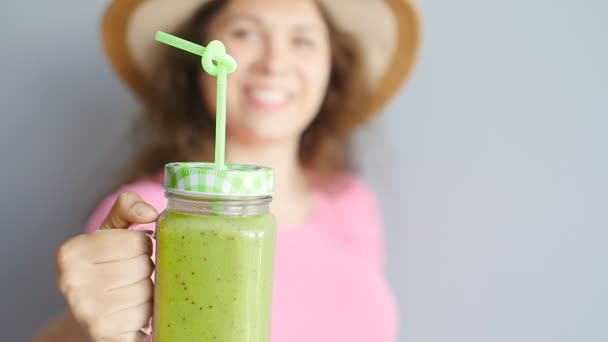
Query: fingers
x,y
89,303
129,208
119,326
104,246
127,337
116,275
131,296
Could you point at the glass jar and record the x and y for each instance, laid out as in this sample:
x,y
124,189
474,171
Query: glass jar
x,y
215,256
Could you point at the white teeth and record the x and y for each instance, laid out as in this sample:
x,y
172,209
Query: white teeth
x,y
269,96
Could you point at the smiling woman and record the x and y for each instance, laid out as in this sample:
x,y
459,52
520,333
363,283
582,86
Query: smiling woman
x,y
279,92
310,73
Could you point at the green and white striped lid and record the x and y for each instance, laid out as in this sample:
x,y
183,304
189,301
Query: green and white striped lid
x,y
206,179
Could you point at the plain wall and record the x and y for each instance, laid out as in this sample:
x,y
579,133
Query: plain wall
x,y
491,166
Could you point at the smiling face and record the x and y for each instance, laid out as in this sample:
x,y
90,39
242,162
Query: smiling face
x,y
283,55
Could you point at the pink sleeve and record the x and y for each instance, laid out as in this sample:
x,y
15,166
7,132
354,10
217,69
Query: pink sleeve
x,y
364,223
150,191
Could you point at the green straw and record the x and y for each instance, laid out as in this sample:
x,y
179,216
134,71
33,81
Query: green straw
x,y
224,65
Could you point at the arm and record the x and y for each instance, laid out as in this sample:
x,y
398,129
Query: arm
x,y
64,329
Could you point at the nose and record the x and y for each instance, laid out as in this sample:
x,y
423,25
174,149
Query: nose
x,y
274,57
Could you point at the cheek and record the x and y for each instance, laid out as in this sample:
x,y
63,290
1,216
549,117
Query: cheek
x,y
208,89
316,75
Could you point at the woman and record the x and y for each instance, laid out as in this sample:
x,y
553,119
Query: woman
x,y
309,74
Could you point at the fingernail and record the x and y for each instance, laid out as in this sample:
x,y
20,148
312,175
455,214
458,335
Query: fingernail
x,y
142,209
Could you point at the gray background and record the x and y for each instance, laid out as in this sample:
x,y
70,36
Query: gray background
x,y
491,166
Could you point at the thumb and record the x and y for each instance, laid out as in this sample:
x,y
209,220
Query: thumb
x,y
128,209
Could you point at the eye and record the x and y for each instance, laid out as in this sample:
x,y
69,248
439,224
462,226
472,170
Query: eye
x,y
243,33
303,41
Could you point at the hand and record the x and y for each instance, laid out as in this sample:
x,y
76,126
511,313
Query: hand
x,y
105,276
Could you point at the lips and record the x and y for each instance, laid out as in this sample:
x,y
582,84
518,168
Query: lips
x,y
268,98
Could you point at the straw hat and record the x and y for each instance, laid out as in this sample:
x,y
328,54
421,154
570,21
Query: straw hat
x,y
388,31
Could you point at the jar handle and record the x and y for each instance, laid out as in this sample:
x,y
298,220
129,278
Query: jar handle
x,y
150,230
146,228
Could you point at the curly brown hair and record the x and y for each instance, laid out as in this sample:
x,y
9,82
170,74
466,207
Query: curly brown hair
x,y
178,127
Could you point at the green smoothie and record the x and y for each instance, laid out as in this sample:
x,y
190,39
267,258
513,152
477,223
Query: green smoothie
x,y
214,278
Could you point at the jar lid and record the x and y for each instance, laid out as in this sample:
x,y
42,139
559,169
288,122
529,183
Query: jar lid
x,y
207,179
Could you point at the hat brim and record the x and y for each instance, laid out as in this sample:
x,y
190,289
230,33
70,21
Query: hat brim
x,y
390,40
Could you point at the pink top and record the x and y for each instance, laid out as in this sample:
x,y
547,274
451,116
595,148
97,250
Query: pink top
x,y
329,275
